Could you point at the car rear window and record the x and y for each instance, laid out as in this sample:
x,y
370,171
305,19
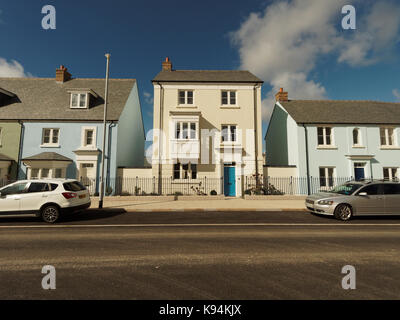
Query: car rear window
x,y
391,188
73,186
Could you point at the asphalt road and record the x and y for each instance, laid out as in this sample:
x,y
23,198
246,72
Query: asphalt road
x,y
217,255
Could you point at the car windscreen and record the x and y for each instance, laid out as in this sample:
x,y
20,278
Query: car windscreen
x,y
73,186
347,188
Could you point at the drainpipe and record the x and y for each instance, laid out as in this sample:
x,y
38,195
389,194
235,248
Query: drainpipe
x,y
21,140
307,161
256,132
160,138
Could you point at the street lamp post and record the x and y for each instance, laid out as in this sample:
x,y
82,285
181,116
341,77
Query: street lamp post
x,y
104,136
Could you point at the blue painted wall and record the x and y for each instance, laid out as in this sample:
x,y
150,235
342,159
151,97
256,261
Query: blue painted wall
x,y
286,145
69,141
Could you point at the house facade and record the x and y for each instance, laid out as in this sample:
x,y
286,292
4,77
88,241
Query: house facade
x,y
60,126
207,124
335,139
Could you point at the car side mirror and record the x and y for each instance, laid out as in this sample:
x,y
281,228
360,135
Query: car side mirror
x,y
363,194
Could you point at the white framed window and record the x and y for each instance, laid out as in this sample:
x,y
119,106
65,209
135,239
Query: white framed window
x,y
228,98
186,130
228,133
356,134
45,173
326,177
387,136
185,97
325,136
79,100
50,137
185,171
390,173
88,137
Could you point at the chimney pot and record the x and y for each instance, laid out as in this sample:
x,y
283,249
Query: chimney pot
x,y
62,74
167,65
281,96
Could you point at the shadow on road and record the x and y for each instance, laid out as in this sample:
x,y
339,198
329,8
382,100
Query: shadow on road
x,y
92,214
87,215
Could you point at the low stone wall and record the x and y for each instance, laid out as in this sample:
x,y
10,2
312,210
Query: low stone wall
x,y
270,197
160,198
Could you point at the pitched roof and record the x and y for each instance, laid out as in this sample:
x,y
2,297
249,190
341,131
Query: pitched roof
x,y
3,157
343,112
47,156
206,76
45,99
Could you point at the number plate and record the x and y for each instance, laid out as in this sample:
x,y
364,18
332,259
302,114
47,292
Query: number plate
x,y
82,196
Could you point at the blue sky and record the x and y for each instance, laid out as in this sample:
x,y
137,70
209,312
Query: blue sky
x,y
295,44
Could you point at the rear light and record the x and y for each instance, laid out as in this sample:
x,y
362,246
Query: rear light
x,y
69,195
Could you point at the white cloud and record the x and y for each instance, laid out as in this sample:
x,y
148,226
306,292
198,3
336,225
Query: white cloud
x,y
12,69
283,44
396,93
148,98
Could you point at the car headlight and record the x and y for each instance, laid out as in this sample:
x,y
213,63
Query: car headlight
x,y
325,202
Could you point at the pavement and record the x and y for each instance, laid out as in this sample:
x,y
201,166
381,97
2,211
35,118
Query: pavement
x,y
227,204
114,254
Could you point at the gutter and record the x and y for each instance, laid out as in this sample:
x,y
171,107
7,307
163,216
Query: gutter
x,y
307,160
160,137
256,131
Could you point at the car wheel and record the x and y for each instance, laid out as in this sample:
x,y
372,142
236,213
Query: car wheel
x,y
343,212
50,214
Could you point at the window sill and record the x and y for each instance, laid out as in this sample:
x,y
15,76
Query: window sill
x,y
50,146
85,107
227,106
358,147
186,181
327,148
88,148
185,106
390,148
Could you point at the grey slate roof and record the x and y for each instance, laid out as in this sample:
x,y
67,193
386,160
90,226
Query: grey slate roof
x,y
3,157
343,112
206,76
47,156
45,99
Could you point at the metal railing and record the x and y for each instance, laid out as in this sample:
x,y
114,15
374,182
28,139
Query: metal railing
x,y
153,186
263,185
291,185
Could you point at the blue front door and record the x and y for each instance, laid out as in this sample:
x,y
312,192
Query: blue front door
x,y
359,173
229,181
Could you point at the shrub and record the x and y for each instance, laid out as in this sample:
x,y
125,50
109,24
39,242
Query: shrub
x,y
213,193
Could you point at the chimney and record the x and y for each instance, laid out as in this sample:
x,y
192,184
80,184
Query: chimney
x,y
62,75
167,65
281,96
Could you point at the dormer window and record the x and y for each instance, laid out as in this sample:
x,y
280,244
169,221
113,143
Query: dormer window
x,y
79,100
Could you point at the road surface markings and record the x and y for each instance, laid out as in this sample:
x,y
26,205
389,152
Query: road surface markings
x,y
203,225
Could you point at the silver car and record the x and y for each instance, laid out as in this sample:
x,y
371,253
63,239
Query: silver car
x,y
356,198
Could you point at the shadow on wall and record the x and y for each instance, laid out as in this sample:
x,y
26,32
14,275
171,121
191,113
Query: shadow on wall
x,y
277,142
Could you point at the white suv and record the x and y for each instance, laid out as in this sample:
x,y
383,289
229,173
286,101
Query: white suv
x,y
45,198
